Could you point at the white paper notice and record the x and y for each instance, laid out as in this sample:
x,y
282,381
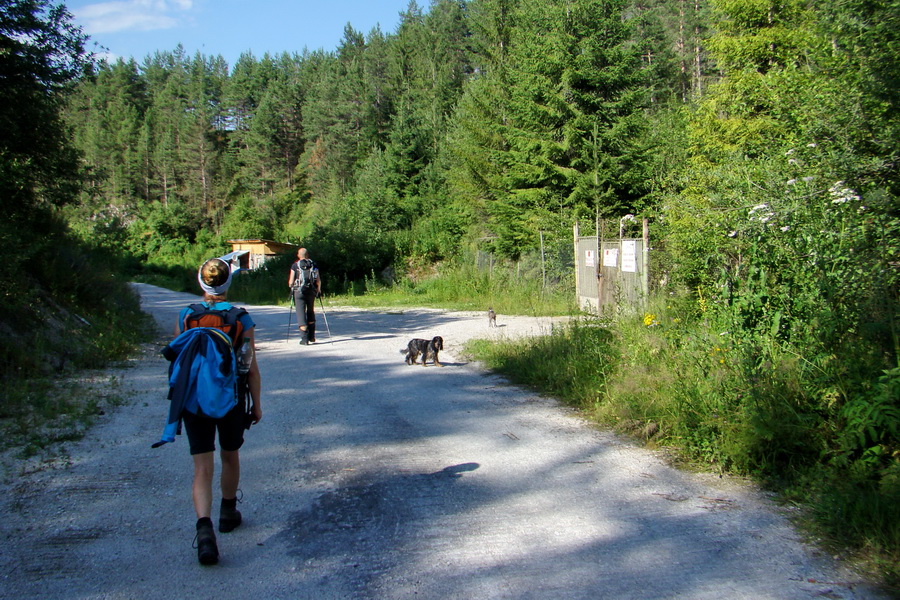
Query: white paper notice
x,y
629,256
611,257
589,258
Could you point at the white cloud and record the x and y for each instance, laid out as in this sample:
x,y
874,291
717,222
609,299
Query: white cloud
x,y
110,57
131,15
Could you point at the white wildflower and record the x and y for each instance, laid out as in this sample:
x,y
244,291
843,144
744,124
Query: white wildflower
x,y
732,234
792,161
841,194
812,145
786,228
791,181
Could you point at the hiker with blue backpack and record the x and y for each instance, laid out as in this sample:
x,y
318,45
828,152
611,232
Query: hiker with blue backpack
x,y
214,387
306,285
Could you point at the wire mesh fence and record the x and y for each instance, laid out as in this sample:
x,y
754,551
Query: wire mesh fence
x,y
551,265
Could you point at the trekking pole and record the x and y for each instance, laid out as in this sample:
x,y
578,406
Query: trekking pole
x,y
324,316
290,315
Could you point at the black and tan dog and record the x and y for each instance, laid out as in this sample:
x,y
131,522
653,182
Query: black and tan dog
x,y
427,348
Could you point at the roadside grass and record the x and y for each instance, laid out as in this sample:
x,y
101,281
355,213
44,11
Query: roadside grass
x,y
669,378
49,392
41,413
572,363
455,289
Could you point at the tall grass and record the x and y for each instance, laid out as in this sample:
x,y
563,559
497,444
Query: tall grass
x,y
753,406
462,288
584,355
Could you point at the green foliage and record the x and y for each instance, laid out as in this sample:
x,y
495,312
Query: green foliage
x,y
248,220
561,143
861,516
869,441
63,306
758,35
42,54
782,226
584,354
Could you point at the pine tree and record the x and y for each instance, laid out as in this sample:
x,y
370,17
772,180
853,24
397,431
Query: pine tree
x,y
41,55
576,95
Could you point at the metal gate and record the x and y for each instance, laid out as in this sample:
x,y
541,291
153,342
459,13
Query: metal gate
x,y
611,274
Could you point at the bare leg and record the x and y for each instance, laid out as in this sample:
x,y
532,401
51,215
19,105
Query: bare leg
x,y
204,468
231,473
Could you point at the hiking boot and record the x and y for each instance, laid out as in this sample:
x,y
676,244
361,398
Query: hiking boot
x,y
304,338
207,550
311,329
229,515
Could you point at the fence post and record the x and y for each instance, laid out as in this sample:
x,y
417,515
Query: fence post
x,y
577,265
601,227
543,268
645,262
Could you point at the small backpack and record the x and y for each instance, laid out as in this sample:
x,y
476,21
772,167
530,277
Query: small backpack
x,y
307,275
205,377
228,321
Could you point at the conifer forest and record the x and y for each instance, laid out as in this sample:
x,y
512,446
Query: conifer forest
x,y
760,138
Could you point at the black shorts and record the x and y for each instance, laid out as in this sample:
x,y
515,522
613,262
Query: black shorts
x,y
201,431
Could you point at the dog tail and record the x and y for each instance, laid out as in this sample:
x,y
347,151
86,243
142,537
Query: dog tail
x,y
404,351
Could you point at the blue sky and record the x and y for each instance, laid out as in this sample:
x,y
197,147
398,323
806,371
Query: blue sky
x,y
137,28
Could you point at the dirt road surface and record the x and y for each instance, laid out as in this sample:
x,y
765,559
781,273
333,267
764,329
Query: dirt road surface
x,y
371,479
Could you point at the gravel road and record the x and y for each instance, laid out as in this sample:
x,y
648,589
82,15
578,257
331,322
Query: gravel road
x,y
371,479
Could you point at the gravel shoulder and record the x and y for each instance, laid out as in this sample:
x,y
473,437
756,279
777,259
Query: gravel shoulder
x,y
369,478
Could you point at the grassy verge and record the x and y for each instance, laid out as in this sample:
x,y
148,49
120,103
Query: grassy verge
x,y
41,413
71,318
674,380
457,289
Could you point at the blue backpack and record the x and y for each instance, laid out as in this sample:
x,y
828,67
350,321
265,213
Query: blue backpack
x,y
203,377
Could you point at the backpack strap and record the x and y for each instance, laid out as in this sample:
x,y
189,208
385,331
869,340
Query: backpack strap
x,y
233,316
